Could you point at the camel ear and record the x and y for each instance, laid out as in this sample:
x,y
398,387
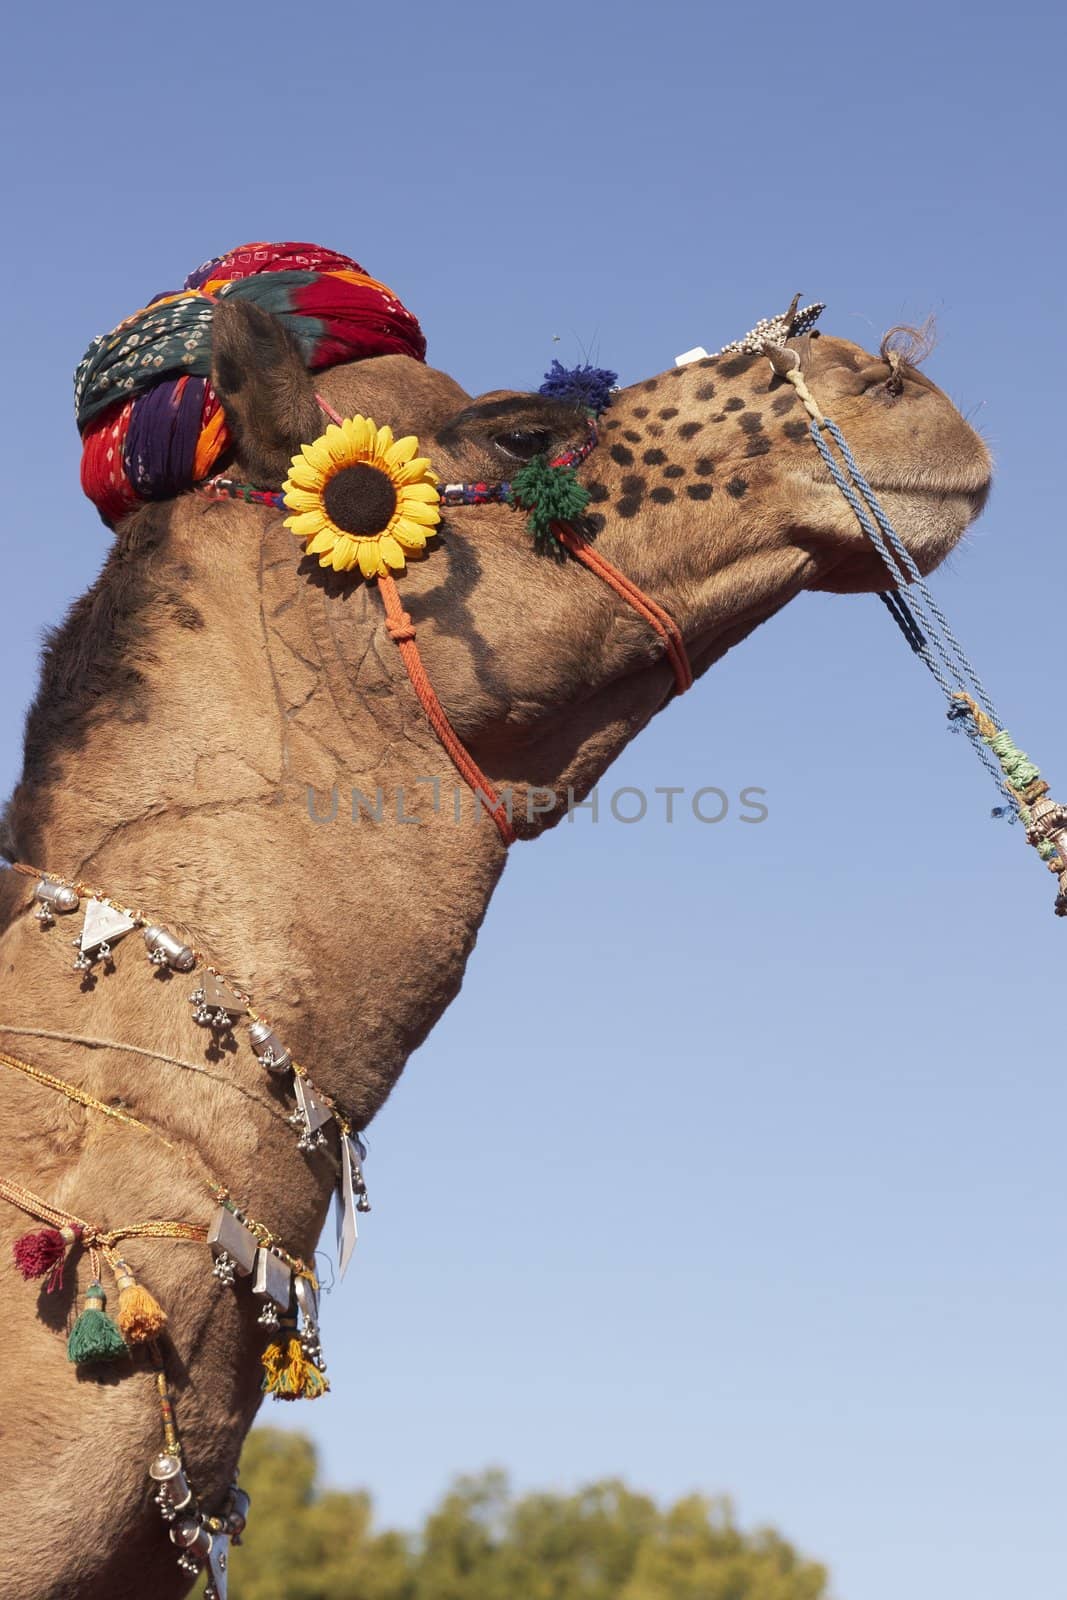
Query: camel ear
x,y
258,373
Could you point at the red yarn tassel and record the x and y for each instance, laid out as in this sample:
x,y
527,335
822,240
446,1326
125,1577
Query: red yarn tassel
x,y
45,1252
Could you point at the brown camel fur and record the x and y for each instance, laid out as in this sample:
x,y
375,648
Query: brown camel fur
x,y
210,676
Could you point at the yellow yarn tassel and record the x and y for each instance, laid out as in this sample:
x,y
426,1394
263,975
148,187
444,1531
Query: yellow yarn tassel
x,y
141,1317
289,1375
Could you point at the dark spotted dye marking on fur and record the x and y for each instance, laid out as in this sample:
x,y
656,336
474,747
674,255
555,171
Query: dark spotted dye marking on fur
x,y
737,487
624,457
704,467
592,522
734,367
668,412
689,430
655,430
736,404
796,431
699,491
641,411
613,422
751,422
597,493
634,438
674,472
632,484
759,446
662,496
654,458
629,505
650,386
706,391
784,402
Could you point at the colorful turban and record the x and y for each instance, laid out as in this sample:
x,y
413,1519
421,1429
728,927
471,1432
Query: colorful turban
x,y
150,421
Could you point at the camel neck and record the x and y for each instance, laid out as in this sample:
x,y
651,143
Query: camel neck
x,y
283,806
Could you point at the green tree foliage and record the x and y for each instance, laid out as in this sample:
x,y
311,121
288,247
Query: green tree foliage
x,y
481,1543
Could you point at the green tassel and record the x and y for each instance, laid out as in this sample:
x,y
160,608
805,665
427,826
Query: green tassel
x,y
95,1337
549,495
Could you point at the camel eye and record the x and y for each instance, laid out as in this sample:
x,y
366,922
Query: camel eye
x,y
524,443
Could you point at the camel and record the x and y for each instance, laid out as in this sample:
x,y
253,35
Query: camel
x,y
209,685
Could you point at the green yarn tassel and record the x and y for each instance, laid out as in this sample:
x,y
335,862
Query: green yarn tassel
x,y
95,1337
549,495
1015,763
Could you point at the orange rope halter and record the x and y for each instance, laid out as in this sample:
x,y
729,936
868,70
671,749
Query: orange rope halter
x,y
401,628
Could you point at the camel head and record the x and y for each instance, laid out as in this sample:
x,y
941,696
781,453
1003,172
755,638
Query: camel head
x,y
706,490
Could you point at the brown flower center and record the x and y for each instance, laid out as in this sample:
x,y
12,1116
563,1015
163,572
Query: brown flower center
x,y
360,499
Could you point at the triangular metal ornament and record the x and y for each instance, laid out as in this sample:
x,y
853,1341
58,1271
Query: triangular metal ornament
x,y
103,925
345,1199
218,998
316,1112
218,1561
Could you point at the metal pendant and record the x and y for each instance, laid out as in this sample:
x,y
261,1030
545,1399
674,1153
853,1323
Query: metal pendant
x,y
165,950
193,1540
217,1562
273,1281
173,1493
103,926
232,1245
268,1047
215,1006
307,1301
50,898
350,1197
236,1517
311,1116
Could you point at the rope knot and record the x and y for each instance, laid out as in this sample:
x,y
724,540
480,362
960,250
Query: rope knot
x,y
400,628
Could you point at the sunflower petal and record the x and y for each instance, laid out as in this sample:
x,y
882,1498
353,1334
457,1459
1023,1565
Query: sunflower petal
x,y
303,475
383,441
322,541
415,511
306,523
317,455
368,557
391,551
338,446
415,471
409,534
401,452
301,499
345,553
425,492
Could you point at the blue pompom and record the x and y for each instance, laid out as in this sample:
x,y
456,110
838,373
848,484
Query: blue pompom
x,y
581,386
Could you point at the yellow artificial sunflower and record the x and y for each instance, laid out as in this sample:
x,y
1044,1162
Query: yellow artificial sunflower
x,y
361,498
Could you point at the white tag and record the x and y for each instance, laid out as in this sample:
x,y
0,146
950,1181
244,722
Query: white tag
x,y
102,925
698,353
347,1230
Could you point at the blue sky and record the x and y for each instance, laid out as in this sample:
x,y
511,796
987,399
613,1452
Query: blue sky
x,y
738,1162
